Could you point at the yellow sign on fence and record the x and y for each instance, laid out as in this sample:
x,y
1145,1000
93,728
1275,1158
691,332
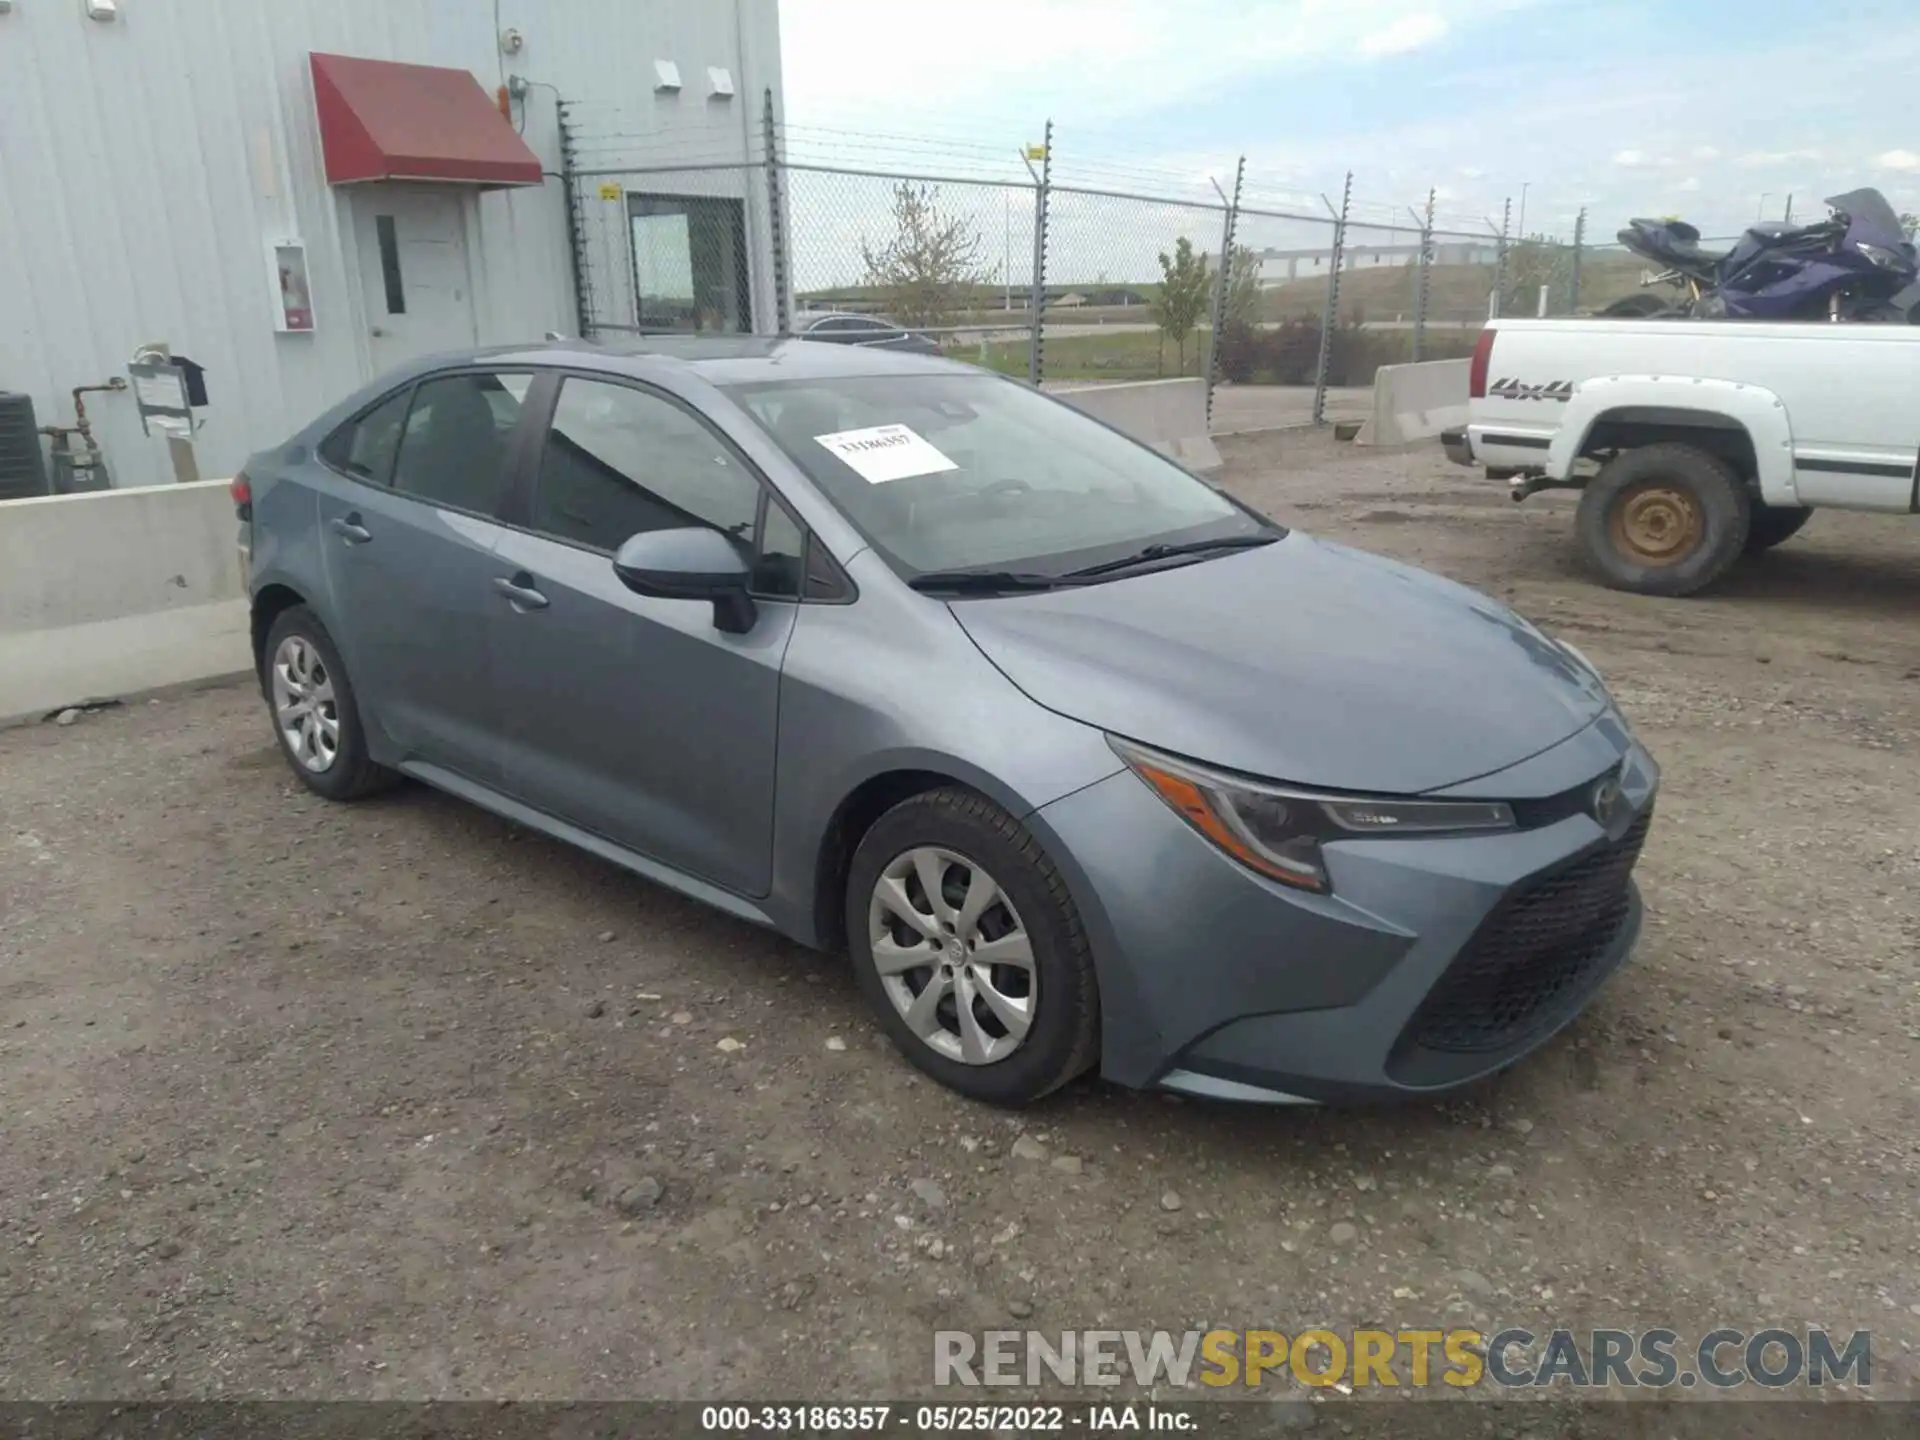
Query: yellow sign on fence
x,y
610,190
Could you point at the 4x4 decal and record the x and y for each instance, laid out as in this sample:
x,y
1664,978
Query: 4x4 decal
x,y
1508,389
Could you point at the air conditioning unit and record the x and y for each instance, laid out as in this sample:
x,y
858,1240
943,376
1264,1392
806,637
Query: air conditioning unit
x,y
22,470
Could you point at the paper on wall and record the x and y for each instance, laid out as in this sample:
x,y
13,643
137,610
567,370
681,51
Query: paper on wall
x,y
886,452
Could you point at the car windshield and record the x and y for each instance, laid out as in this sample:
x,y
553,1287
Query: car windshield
x,y
973,472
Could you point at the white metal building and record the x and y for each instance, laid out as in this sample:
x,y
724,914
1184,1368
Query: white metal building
x,y
164,177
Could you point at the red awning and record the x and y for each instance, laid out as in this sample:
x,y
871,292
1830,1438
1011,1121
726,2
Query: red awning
x,y
380,120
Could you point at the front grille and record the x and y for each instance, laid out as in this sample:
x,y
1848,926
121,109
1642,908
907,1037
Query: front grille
x,y
1537,947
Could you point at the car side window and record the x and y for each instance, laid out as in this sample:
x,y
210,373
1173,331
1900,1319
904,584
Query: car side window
x,y
364,447
828,327
619,461
457,445
780,568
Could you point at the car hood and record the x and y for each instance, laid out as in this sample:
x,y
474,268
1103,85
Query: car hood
x,y
1300,661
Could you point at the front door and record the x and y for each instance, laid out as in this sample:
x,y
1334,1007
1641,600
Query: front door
x,y
412,242
630,716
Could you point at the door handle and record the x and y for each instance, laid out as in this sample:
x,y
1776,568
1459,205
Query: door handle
x,y
519,592
351,530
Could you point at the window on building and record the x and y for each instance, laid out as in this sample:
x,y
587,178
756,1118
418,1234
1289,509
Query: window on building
x,y
390,264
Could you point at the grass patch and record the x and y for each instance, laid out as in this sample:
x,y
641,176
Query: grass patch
x,y
1127,356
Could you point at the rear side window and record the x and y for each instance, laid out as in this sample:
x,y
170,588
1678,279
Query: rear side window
x,y
457,443
364,447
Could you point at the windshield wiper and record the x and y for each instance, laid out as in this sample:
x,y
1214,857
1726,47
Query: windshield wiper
x,y
1148,554
984,581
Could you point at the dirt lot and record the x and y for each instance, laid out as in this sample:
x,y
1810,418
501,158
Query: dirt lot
x,y
398,1101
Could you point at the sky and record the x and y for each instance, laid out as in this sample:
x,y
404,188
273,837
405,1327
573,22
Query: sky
x,y
1715,110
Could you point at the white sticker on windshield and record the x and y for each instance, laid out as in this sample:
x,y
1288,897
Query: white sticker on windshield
x,y
886,452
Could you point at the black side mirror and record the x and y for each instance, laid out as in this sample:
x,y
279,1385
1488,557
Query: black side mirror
x,y
690,564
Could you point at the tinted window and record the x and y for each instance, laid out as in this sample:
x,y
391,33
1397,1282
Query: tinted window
x,y
782,562
365,447
619,461
456,448
827,327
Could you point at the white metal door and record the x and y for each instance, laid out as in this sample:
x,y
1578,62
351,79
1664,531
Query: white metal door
x,y
413,268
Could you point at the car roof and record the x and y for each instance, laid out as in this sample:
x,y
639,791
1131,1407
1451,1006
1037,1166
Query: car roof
x,y
814,317
717,359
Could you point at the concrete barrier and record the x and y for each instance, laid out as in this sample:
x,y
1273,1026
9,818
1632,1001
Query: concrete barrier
x,y
117,591
1415,402
1170,415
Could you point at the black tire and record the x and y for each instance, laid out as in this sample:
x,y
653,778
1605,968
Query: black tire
x,y
1062,1040
1664,519
350,774
1773,523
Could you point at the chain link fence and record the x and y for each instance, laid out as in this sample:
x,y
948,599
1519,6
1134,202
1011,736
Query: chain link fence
x,y
1058,270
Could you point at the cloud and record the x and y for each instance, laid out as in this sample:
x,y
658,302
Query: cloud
x,y
1764,159
1409,32
1689,185
1472,172
1705,152
864,64
1900,160
1630,159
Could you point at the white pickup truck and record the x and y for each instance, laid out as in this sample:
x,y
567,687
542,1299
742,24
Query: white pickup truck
x,y
1695,442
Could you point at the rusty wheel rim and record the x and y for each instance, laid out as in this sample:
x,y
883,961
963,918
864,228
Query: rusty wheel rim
x,y
1657,524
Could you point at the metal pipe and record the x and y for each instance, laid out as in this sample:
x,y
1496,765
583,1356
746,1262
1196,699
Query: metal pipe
x,y
82,426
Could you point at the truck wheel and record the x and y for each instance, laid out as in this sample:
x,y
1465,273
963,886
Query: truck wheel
x,y
1664,519
1774,523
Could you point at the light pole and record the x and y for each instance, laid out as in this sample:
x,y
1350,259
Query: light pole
x,y
1522,229
1761,212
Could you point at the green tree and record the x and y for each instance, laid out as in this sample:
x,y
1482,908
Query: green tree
x,y
1531,263
1243,287
1910,223
927,269
1182,296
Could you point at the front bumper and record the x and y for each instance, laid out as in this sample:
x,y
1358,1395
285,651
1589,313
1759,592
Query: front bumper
x,y
1458,446
1435,962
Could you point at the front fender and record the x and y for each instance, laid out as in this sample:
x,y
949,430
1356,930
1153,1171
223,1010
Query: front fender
x,y
1670,399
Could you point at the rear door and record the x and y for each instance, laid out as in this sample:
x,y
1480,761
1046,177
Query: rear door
x,y
409,520
630,716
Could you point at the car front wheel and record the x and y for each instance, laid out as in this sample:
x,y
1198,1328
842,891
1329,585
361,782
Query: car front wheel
x,y
970,950
315,717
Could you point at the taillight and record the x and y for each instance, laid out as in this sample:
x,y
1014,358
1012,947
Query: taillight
x,y
1482,359
241,489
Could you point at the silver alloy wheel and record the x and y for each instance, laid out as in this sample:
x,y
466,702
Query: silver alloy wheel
x,y
953,955
304,705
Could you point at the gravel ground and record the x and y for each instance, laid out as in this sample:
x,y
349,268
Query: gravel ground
x,y
396,1100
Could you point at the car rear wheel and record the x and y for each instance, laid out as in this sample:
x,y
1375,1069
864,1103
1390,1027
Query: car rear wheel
x,y
1665,519
315,717
970,950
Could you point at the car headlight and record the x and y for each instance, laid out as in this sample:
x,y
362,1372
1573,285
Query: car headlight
x,y
1277,830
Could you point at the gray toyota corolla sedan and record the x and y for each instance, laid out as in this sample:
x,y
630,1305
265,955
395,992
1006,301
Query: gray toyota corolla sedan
x,y
1084,763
